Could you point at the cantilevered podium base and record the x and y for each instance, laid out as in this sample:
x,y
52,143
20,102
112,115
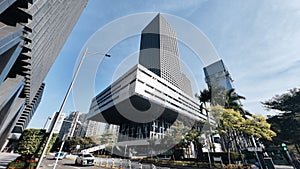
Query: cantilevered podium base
x,y
141,96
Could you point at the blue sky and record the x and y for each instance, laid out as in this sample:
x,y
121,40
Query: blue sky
x,y
257,39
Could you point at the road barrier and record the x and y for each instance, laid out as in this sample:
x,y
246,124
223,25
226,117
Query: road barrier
x,y
140,166
106,164
101,163
123,164
113,163
129,164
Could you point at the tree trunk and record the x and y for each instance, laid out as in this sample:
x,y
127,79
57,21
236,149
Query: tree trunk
x,y
228,147
228,151
238,146
223,143
297,148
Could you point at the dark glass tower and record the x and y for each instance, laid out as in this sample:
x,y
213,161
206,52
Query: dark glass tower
x,y
217,75
159,51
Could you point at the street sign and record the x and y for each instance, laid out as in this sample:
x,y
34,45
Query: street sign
x,y
254,149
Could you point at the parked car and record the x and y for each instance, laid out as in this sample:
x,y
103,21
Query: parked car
x,y
85,159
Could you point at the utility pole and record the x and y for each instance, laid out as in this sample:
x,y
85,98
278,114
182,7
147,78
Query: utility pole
x,y
63,104
64,139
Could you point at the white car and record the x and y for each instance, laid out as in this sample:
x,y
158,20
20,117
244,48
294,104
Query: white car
x,y
85,159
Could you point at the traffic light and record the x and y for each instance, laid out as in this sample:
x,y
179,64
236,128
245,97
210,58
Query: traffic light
x,y
283,145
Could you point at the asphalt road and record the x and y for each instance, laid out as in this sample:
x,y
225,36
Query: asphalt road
x,y
63,164
49,162
70,164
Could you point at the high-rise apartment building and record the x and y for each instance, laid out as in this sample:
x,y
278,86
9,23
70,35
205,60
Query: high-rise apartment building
x,y
92,128
73,126
32,34
58,125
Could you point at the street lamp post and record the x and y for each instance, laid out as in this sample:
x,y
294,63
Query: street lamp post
x,y
63,104
64,138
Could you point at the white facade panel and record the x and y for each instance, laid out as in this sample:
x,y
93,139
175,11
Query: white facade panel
x,y
145,84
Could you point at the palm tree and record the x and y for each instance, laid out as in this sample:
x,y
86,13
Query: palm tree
x,y
233,102
205,96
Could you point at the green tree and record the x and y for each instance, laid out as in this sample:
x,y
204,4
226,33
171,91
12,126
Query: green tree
x,y
213,95
194,136
96,139
231,124
258,127
205,96
232,120
286,124
32,142
174,137
175,134
287,102
220,96
108,137
152,146
232,100
84,142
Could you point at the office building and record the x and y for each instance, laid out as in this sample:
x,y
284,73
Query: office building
x,y
32,34
186,85
73,126
147,100
159,51
217,75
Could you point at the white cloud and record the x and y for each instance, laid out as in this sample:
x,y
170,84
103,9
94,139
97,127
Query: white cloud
x,y
259,43
178,5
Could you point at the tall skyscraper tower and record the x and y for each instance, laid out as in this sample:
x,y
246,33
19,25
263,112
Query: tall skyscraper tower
x,y
159,51
186,85
32,33
217,75
146,101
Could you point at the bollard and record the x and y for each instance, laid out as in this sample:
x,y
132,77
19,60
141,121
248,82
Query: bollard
x,y
101,165
129,164
106,165
121,164
113,163
140,166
